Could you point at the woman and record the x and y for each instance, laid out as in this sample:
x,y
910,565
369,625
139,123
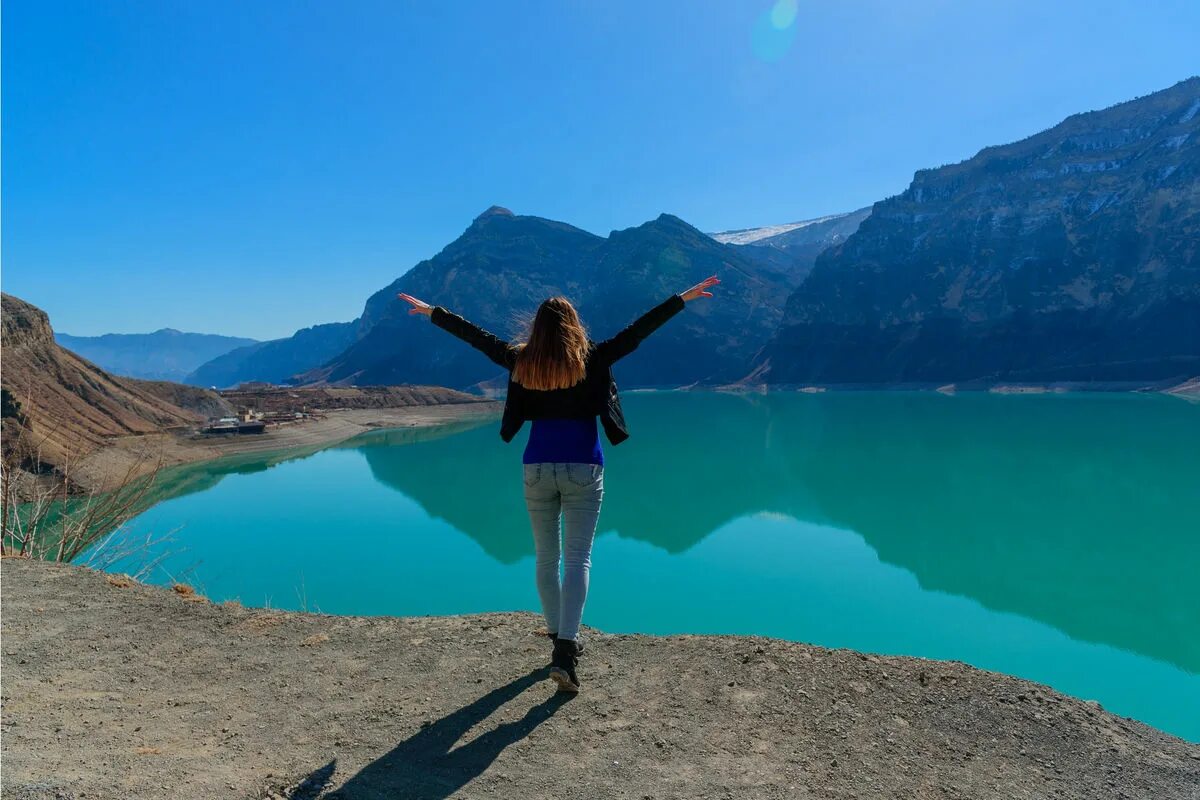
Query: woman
x,y
562,381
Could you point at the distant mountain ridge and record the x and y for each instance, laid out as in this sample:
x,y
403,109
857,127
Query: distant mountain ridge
x,y
277,360
164,355
1072,255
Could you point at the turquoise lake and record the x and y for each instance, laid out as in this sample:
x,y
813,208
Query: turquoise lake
x,y
1053,537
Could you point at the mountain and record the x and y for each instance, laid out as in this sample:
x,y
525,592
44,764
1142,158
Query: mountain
x,y
799,242
709,342
504,264
1072,255
277,360
70,406
491,271
165,355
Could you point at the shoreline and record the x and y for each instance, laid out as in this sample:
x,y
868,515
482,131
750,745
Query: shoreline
x,y
1188,389
116,689
100,469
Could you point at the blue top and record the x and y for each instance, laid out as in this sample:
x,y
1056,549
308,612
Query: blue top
x,y
570,441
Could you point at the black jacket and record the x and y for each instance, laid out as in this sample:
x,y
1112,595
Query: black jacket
x,y
595,394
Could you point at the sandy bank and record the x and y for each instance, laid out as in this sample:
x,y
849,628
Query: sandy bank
x,y
122,692
103,467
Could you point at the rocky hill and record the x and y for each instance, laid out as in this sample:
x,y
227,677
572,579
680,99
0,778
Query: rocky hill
x,y
165,355
1073,255
68,405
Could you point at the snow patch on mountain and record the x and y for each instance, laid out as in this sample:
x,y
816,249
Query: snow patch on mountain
x,y
749,235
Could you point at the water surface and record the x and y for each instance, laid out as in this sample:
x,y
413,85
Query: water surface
x,y
1050,537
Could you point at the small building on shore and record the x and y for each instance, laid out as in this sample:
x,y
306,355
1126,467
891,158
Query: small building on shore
x,y
243,423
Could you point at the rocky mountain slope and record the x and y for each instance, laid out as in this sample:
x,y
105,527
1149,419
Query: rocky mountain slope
x,y
1073,255
165,355
68,405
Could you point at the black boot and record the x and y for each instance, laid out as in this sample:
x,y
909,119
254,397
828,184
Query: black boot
x,y
578,643
562,665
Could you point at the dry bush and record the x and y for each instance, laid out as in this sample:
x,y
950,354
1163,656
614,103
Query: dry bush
x,y
46,515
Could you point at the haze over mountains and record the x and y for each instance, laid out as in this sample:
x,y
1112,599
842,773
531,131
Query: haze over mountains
x,y
164,355
1068,256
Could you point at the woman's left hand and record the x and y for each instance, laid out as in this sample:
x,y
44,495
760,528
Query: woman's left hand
x,y
700,289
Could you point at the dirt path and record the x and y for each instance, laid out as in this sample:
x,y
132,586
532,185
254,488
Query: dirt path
x,y
137,692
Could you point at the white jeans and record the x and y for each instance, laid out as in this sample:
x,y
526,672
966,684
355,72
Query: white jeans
x,y
554,492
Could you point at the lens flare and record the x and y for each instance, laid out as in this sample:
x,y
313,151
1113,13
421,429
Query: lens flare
x,y
775,30
783,13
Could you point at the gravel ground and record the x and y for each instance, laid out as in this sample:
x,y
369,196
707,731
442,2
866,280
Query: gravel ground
x,y
128,691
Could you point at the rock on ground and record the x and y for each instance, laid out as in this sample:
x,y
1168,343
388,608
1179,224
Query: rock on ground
x,y
128,691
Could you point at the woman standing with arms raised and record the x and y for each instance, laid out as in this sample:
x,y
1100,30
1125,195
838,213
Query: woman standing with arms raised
x,y
562,381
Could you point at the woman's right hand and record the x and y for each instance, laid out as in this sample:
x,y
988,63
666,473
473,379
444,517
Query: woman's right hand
x,y
700,289
418,306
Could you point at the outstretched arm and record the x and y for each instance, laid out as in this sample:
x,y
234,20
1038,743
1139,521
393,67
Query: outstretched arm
x,y
499,351
627,340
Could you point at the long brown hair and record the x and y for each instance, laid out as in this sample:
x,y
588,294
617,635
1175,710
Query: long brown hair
x,y
555,355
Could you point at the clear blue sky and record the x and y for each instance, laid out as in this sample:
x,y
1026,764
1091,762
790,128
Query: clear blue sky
x,y
254,166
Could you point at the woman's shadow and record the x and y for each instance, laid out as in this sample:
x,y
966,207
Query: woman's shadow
x,y
424,767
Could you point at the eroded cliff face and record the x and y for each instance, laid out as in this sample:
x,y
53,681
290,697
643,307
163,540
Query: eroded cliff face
x,y
65,406
1071,255
22,324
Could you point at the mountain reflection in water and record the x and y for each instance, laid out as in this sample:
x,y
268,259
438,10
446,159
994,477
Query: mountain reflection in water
x,y
1079,511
